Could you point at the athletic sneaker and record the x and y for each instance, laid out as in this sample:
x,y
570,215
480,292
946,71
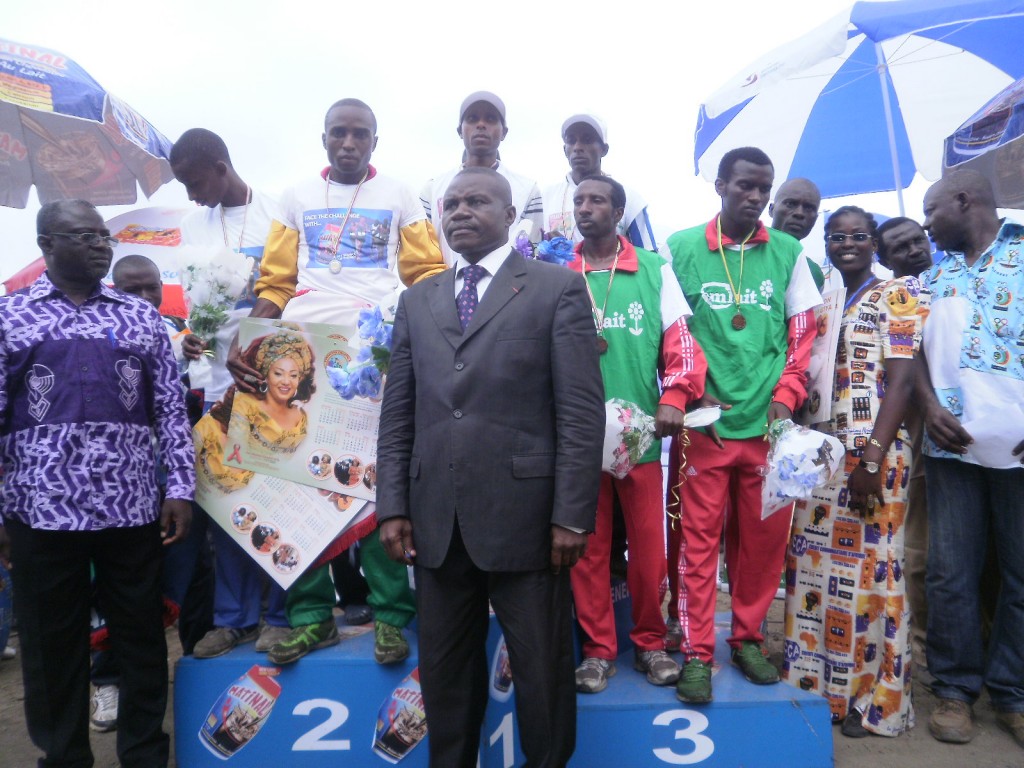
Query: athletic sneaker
x,y
694,685
389,645
270,635
302,640
221,640
750,658
660,669
103,710
592,675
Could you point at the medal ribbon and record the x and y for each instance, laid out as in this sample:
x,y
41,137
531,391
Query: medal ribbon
x,y
728,275
348,213
599,314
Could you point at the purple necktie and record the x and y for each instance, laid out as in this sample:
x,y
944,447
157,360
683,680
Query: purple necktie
x,y
467,299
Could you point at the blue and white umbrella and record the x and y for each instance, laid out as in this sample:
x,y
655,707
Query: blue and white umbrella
x,y
992,143
865,101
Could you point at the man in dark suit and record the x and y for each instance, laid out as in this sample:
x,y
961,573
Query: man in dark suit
x,y
489,461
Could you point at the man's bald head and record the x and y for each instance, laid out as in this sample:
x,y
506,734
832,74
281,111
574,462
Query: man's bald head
x,y
477,211
972,183
960,212
492,178
795,209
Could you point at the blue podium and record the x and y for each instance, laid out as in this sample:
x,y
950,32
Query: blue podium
x,y
338,707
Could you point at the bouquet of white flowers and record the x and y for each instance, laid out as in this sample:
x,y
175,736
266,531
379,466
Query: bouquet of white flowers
x,y
212,282
800,460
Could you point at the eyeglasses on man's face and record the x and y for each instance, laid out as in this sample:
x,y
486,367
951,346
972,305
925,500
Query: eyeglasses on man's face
x,y
87,238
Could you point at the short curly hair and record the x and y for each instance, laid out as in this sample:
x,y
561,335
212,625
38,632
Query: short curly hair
x,y
261,533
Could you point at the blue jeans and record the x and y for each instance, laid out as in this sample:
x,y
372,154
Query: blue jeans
x,y
238,587
967,503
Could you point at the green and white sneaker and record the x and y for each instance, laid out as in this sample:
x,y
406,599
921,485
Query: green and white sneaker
x,y
302,640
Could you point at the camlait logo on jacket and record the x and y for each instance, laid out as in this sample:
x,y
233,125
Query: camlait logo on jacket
x,y
631,321
719,295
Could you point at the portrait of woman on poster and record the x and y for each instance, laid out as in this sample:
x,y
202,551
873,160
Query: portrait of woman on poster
x,y
273,416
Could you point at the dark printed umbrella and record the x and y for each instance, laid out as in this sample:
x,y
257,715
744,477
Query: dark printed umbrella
x,y
992,143
62,132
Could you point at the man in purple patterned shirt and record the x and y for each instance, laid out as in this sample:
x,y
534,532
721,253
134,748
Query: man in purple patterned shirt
x,y
86,376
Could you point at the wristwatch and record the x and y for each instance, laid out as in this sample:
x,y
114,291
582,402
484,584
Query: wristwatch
x,y
871,467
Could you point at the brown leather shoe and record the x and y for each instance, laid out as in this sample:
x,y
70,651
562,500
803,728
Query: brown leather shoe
x,y
952,721
1012,723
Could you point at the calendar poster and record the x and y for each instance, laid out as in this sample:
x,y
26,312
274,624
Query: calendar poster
x,y
283,526
296,426
828,317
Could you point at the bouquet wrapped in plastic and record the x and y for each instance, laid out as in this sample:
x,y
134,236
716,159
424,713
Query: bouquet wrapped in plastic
x,y
628,433
212,283
799,460
364,377
553,249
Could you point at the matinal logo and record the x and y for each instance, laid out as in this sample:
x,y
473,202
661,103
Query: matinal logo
x,y
39,381
401,720
241,711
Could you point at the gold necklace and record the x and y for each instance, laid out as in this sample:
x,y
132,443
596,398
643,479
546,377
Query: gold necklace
x,y
739,322
245,217
602,342
335,262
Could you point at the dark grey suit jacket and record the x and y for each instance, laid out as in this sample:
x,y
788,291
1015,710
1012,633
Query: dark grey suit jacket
x,y
501,426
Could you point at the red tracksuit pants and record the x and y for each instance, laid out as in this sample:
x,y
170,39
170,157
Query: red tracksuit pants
x,y
640,493
755,549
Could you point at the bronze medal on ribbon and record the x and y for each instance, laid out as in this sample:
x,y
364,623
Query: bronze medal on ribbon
x,y
739,322
602,345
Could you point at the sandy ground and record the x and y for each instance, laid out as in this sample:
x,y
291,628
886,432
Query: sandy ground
x,y
992,748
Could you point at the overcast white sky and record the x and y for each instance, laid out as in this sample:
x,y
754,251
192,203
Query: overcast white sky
x,y
262,75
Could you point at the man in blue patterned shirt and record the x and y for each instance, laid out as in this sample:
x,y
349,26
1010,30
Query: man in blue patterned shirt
x,y
86,375
972,390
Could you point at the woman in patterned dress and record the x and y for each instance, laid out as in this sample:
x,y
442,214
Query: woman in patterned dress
x,y
846,610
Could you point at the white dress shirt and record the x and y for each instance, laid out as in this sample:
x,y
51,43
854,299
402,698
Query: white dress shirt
x,y
491,263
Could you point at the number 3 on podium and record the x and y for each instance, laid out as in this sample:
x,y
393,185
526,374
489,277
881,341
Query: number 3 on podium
x,y
694,733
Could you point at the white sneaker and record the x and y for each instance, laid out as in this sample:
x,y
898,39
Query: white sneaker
x,y
103,714
9,653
